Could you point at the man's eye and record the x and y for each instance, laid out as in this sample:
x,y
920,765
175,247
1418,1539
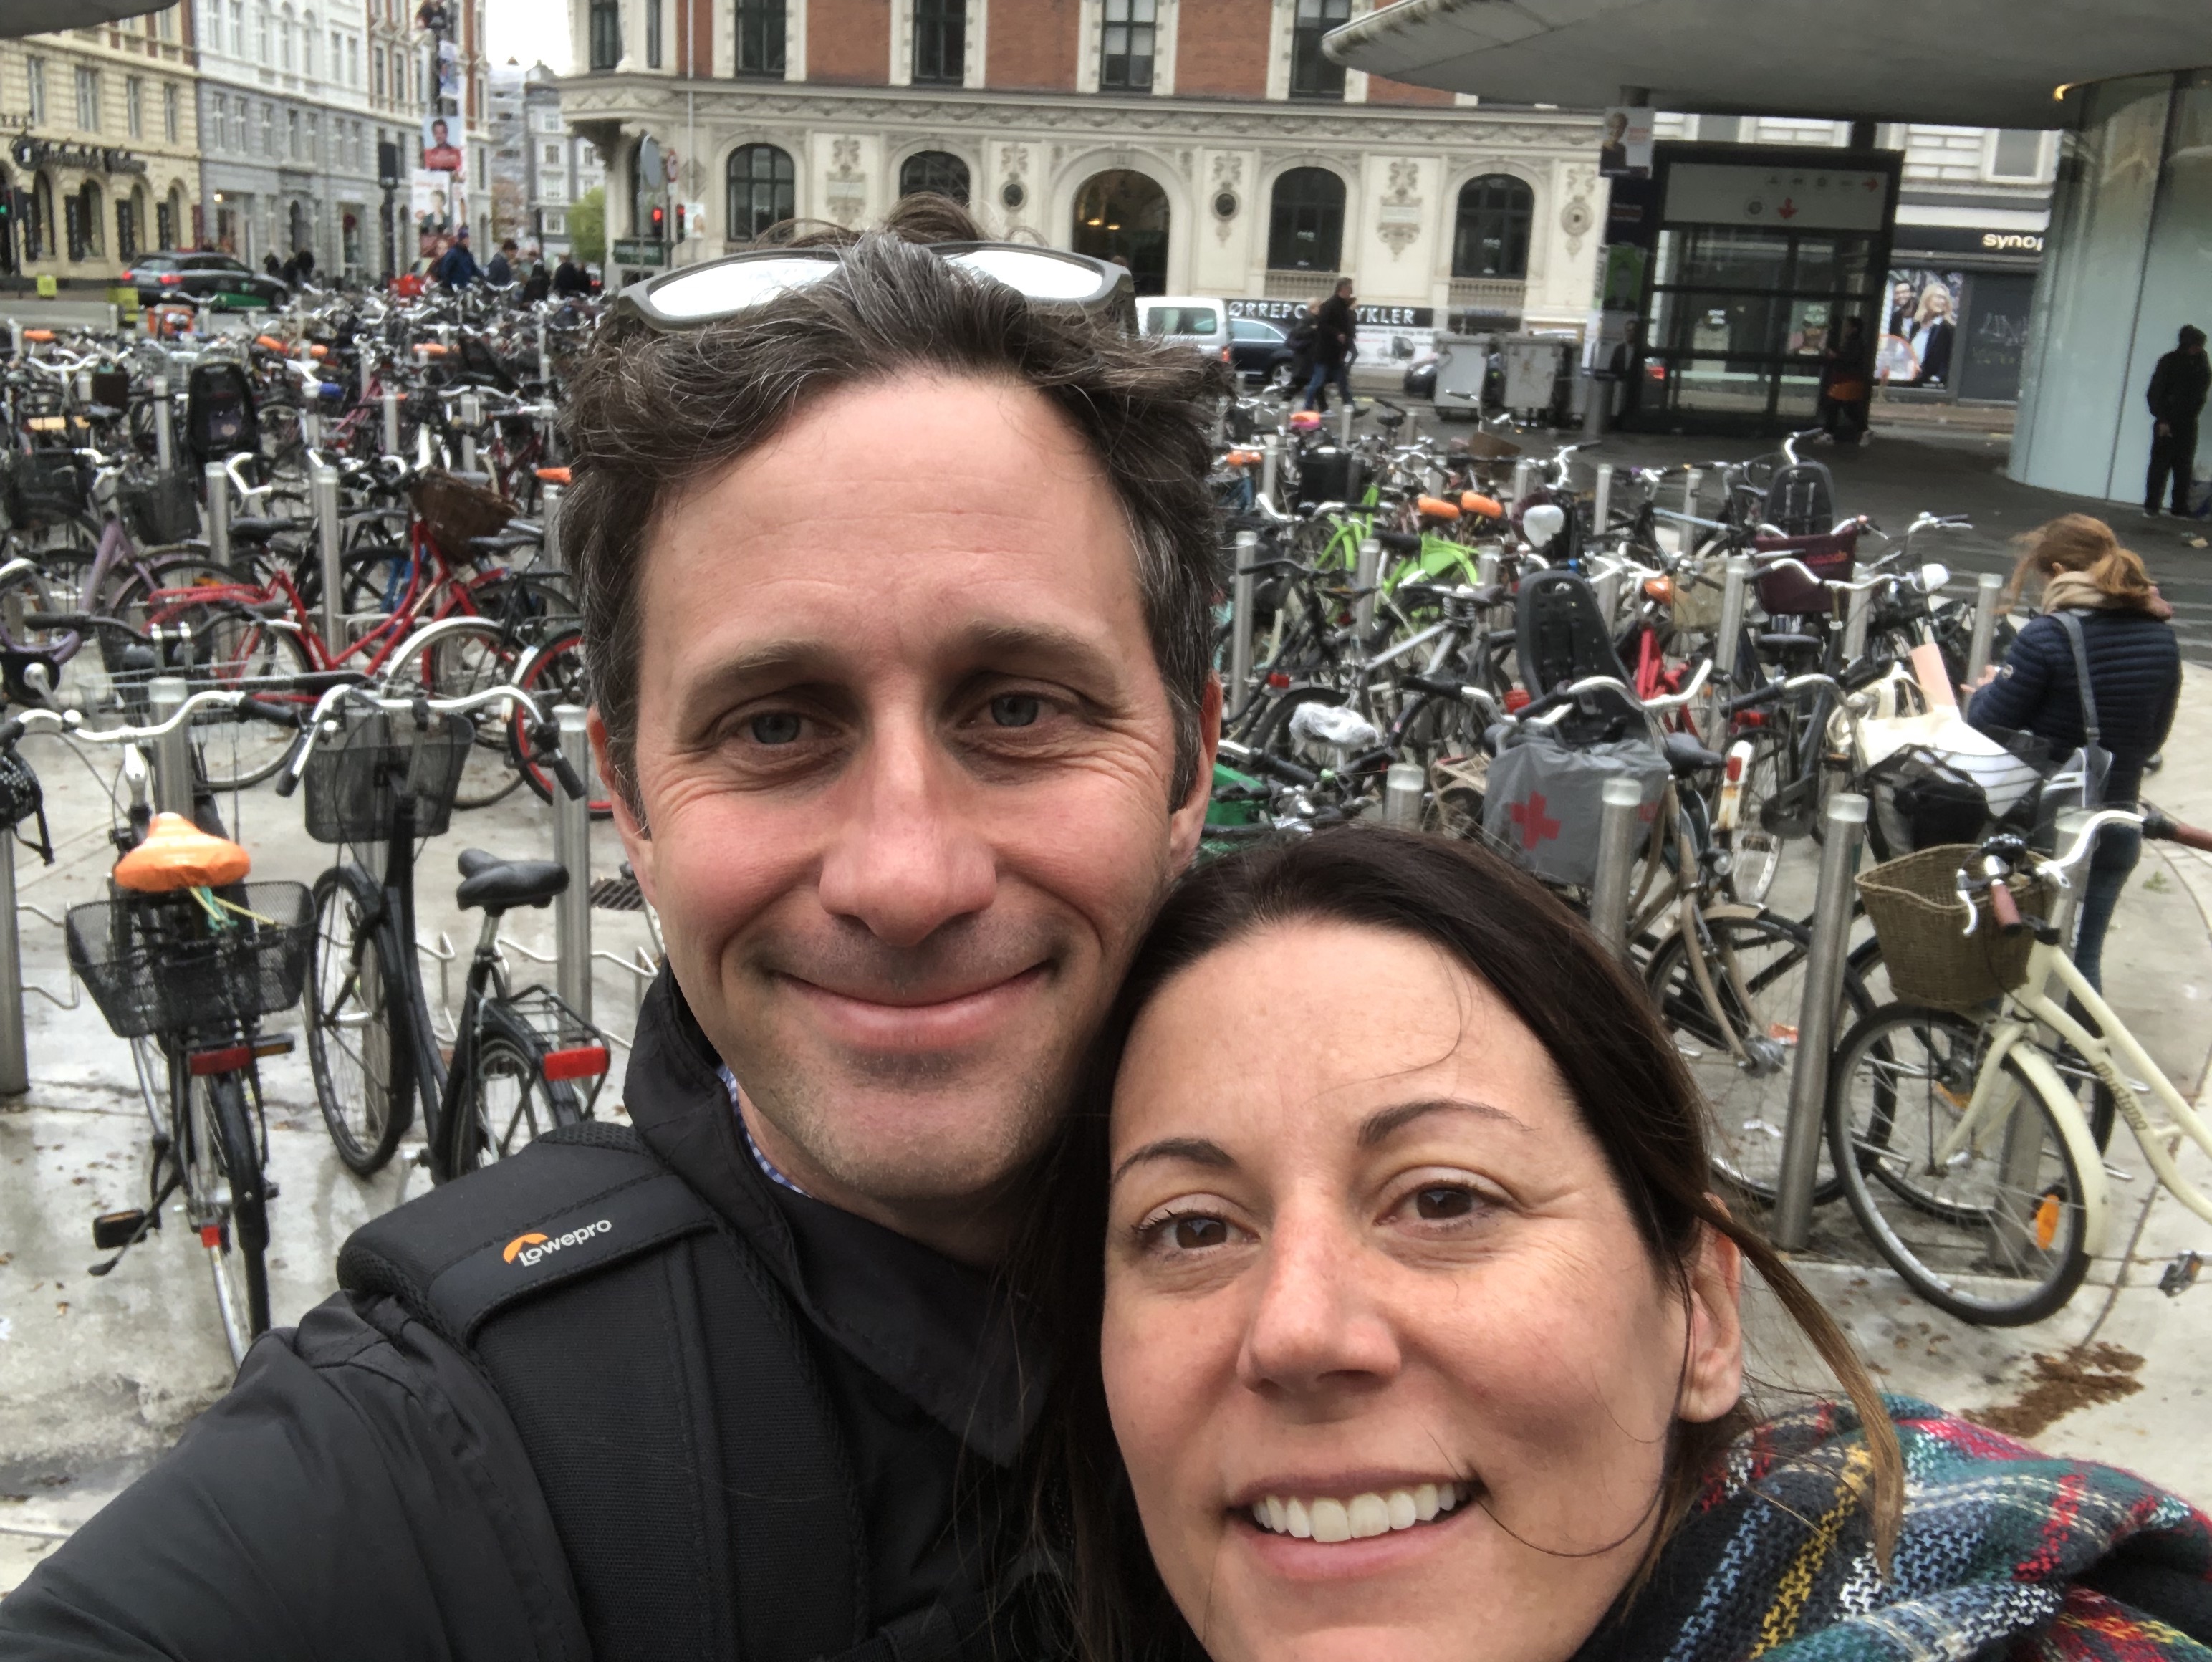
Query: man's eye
x,y
1438,1204
778,727
1016,710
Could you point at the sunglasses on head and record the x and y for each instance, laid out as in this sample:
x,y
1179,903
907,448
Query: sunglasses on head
x,y
725,287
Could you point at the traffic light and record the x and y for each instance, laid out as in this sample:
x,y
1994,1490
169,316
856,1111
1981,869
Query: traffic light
x,y
679,221
659,223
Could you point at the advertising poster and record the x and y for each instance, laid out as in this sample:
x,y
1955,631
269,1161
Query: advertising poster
x,y
1625,151
1622,286
1387,334
1920,327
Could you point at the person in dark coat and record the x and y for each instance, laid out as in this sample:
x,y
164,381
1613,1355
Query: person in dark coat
x,y
1335,331
537,285
1301,342
1845,384
570,279
2135,675
2176,396
459,268
501,272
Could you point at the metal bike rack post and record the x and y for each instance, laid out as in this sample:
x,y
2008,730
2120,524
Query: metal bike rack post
x,y
1816,1020
472,419
1858,609
1271,468
218,513
364,372
114,317
322,489
171,753
544,358
82,388
1524,480
390,420
1601,503
15,338
1694,484
1487,565
1607,590
1988,587
165,427
14,1058
549,516
572,847
1735,589
311,428
1619,830
1240,622
1364,577
1343,418
1402,788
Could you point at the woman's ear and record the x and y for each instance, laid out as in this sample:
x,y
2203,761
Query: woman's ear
x,y
1712,1374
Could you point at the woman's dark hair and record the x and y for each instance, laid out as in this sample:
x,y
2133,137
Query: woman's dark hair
x,y
1599,1027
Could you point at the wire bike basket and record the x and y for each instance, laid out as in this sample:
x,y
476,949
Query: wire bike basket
x,y
356,778
1913,904
161,965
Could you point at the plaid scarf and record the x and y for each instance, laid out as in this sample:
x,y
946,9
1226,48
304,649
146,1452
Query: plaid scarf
x,y
2005,1552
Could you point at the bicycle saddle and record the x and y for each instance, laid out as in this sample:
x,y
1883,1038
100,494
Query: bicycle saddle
x,y
1686,756
498,886
253,527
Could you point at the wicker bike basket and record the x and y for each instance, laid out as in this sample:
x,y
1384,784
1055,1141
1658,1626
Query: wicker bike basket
x,y
159,964
456,510
357,777
1913,904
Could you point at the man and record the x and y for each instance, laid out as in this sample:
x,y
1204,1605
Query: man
x,y
458,268
442,154
1335,331
570,279
501,272
2176,396
903,817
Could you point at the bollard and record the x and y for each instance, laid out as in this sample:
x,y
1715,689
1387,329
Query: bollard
x,y
329,536
165,427
472,419
1364,577
311,428
572,847
1693,485
1987,588
1524,480
1816,1019
1488,563
1344,417
549,516
114,317
1620,828
218,513
1402,788
1242,582
1271,468
15,338
14,1058
82,388
1602,505
1735,590
1858,611
545,359
171,753
390,420
1607,590
362,373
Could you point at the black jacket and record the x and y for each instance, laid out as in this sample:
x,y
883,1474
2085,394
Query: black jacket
x,y
1334,331
2135,670
571,279
2177,386
362,1493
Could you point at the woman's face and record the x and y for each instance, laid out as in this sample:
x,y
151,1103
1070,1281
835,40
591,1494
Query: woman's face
x,y
1392,1372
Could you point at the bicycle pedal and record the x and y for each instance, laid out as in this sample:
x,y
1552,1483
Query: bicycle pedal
x,y
112,1231
2181,1275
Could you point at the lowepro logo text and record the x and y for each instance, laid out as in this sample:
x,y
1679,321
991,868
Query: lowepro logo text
x,y
529,1247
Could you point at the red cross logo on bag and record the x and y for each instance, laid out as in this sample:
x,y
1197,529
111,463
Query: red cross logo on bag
x,y
1530,817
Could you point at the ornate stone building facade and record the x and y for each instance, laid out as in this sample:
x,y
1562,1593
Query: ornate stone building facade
x,y
1206,143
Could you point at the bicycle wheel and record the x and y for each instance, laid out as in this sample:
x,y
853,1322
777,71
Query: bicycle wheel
x,y
1754,848
363,1083
228,1205
554,674
504,1105
1762,1001
1992,1235
238,650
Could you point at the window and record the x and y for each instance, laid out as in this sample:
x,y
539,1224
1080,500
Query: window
x,y
134,106
1125,52
41,228
652,34
238,28
218,122
284,42
35,70
934,173
1313,73
353,61
2018,154
763,191
338,56
268,130
1720,129
169,112
557,224
308,35
126,227
552,155
376,70
1492,237
165,222
314,150
606,33
166,24
1305,229
88,99
90,241
261,32
760,37
940,40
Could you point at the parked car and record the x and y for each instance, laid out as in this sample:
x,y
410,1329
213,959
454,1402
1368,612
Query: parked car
x,y
1259,351
1187,319
218,280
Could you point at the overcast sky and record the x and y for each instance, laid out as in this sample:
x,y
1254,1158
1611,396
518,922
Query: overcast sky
x,y
528,31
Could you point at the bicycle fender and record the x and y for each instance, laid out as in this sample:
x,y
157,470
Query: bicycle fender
x,y
2096,1188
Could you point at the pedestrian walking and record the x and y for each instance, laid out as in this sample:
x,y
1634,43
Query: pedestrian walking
x,y
1845,390
2176,396
1301,343
537,285
1335,329
2089,581
458,267
501,272
568,279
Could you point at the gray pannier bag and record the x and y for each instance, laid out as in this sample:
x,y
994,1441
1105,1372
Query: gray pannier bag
x,y
1544,799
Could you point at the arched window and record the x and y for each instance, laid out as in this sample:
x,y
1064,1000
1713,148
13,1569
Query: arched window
x,y
1491,237
1306,231
42,219
936,171
763,191
91,224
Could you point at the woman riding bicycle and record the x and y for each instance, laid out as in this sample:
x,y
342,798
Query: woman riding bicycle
x,y
2135,682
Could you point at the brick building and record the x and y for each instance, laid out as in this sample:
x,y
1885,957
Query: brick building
x,y
1208,143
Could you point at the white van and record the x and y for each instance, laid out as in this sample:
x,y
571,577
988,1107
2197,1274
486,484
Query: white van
x,y
1188,320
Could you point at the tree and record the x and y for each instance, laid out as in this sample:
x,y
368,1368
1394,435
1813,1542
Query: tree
x,y
587,226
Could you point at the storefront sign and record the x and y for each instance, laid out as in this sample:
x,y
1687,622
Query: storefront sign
x,y
1786,199
640,251
43,152
1966,240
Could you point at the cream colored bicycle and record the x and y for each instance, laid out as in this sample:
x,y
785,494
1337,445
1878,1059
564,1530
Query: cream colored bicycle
x,y
1959,1134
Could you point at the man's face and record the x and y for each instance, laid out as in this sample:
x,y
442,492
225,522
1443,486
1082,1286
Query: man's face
x,y
438,131
906,762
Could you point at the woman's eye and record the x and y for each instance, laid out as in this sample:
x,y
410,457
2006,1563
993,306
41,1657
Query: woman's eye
x,y
1196,1234
1439,1203
1016,710
777,727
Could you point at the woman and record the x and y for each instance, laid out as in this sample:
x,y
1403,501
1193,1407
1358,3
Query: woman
x,y
1417,1332
2135,678
1934,328
1845,394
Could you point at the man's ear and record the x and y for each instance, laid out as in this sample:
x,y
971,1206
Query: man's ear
x,y
1712,1371
1188,819
636,835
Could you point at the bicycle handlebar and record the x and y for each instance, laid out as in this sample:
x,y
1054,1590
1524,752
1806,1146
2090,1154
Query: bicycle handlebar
x,y
288,781
2160,828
